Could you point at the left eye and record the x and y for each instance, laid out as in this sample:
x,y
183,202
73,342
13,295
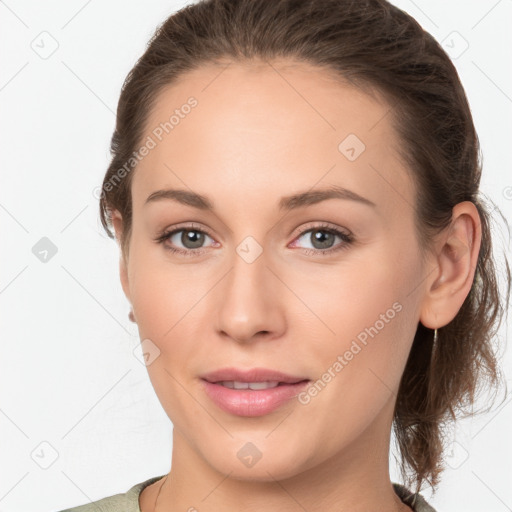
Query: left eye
x,y
323,239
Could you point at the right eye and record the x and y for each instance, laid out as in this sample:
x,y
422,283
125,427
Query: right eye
x,y
191,239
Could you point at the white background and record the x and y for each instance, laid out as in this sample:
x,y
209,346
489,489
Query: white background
x,y
68,374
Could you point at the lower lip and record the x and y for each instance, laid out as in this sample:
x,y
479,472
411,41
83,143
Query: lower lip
x,y
252,402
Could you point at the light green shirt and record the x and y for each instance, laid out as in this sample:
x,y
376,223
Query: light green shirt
x,y
129,501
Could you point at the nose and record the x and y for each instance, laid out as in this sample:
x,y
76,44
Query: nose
x,y
251,302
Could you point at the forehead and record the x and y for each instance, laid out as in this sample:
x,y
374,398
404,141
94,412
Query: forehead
x,y
279,123
271,95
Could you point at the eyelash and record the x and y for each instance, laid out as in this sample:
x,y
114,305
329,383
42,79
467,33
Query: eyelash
x,y
347,239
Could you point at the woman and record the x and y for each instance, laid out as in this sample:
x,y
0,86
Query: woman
x,y
294,189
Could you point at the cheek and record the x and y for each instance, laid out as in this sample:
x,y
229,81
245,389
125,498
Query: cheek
x,y
163,294
352,297
166,305
372,317
166,308
360,371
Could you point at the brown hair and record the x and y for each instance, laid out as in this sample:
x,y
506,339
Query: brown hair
x,y
379,48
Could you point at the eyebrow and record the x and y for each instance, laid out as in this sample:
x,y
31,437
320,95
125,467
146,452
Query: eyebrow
x,y
291,202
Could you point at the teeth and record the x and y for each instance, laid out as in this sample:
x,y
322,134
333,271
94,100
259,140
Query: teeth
x,y
233,384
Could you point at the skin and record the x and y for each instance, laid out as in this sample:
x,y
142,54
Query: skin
x,y
262,131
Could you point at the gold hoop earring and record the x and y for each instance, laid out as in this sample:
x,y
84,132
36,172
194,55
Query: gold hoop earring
x,y
435,337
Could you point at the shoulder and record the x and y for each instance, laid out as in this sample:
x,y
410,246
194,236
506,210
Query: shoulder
x,y
122,502
416,501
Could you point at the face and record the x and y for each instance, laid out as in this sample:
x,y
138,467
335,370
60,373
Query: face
x,y
323,287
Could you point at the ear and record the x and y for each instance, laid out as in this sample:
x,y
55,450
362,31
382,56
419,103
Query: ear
x,y
117,222
454,267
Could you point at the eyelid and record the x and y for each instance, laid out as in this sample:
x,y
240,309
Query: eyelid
x,y
183,226
322,225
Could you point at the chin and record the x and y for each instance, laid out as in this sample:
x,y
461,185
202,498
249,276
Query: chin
x,y
260,462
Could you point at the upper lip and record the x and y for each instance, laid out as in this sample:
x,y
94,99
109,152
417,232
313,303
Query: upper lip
x,y
250,375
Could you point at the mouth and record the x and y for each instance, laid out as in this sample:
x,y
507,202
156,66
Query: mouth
x,y
234,384
253,392
253,376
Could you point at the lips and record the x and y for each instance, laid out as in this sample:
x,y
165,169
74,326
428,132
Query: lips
x,y
251,375
253,392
